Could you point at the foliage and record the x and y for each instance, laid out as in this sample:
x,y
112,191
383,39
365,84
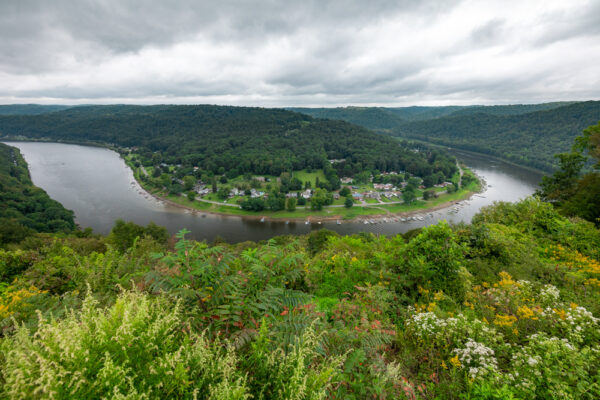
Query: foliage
x,y
574,194
124,351
123,234
506,307
25,208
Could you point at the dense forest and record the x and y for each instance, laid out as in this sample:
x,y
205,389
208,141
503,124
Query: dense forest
x,y
385,118
528,135
24,207
233,140
376,118
529,139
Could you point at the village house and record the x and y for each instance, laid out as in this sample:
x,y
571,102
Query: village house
x,y
260,178
307,194
202,190
346,180
383,186
372,195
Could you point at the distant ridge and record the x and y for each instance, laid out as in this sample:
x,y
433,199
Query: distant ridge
x,y
527,134
529,139
29,109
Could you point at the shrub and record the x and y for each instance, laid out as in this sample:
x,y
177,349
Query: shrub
x,y
138,348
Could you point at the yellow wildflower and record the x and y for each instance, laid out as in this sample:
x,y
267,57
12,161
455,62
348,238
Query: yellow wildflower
x,y
526,313
455,361
505,320
562,314
506,280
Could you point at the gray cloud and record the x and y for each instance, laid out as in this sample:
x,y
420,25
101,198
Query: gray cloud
x,y
277,53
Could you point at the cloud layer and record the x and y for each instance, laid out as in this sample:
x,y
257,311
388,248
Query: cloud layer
x,y
280,53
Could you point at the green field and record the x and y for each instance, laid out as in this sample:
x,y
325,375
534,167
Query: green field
x,y
305,176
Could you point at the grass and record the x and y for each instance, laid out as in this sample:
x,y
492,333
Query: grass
x,y
305,176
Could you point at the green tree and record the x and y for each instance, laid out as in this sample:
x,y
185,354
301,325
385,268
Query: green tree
x,y
188,182
348,203
429,194
223,192
291,204
409,195
561,185
123,234
318,199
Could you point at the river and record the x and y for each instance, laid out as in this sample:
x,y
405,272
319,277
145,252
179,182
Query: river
x,y
99,187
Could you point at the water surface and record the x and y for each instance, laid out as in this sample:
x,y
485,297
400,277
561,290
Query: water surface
x,y
99,187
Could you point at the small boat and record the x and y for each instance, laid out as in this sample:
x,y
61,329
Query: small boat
x,y
403,219
338,222
287,222
262,219
319,222
366,222
307,222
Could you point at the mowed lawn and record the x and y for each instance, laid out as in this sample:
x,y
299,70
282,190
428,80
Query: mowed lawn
x,y
304,176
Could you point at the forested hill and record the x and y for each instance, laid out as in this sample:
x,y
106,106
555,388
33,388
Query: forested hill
x,y
370,117
29,109
238,139
529,139
527,134
384,118
23,206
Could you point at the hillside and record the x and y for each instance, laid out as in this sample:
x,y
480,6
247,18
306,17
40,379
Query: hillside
x,y
23,206
527,134
385,118
505,308
529,139
226,139
375,118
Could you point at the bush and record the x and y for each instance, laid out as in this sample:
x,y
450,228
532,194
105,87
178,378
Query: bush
x,y
138,348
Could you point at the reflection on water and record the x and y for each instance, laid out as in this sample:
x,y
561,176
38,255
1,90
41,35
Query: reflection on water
x,y
97,185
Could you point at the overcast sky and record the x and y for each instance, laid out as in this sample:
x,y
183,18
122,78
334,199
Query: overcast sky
x,y
299,53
